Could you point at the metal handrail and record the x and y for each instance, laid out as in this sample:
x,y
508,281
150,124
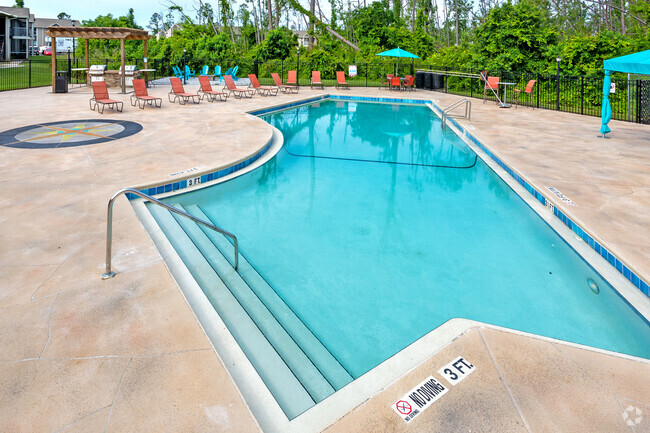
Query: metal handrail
x,y
109,226
468,110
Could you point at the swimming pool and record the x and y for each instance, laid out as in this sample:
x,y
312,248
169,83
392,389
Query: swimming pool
x,y
374,226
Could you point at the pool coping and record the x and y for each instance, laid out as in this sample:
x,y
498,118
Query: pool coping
x,y
259,399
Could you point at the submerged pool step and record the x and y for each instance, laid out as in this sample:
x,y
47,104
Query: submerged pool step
x,y
287,389
304,369
326,363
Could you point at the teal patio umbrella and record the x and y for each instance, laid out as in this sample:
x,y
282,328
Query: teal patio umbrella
x,y
398,52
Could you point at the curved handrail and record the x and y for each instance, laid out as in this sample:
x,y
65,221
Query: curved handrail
x,y
447,110
109,226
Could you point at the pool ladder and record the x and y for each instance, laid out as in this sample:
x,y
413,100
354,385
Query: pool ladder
x,y
109,226
446,112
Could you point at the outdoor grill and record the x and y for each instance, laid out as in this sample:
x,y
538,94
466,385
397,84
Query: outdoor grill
x,y
96,72
129,74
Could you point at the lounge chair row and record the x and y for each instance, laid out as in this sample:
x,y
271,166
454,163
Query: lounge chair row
x,y
340,80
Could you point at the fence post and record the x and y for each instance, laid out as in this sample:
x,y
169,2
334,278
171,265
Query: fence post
x,y
582,95
471,85
557,92
539,83
366,75
29,65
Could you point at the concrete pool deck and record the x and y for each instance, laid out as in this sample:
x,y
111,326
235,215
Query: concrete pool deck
x,y
127,354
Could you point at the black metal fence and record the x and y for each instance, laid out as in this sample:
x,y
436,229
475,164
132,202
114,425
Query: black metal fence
x,y
574,94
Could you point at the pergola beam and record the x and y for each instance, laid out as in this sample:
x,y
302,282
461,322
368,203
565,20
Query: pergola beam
x,y
121,33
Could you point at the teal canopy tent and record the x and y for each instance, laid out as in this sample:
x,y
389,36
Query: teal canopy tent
x,y
398,52
637,63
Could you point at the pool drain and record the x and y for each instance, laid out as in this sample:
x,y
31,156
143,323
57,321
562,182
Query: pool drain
x,y
593,286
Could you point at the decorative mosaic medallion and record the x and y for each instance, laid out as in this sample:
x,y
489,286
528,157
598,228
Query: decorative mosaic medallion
x,y
68,133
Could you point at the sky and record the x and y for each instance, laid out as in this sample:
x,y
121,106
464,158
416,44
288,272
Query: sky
x,y
85,10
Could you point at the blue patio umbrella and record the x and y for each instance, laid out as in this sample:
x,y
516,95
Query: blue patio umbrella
x,y
398,52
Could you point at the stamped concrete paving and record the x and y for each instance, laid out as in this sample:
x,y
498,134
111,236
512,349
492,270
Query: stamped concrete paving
x,y
127,354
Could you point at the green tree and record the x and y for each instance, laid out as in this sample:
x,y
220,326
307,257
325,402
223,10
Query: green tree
x,y
63,16
19,4
514,37
279,44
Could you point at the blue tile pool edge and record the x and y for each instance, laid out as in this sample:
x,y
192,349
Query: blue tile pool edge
x,y
205,177
614,261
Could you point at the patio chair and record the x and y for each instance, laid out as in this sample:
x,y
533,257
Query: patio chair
x,y
205,90
284,87
205,70
526,91
141,96
179,92
388,78
292,78
340,80
234,73
189,73
237,91
177,72
100,97
315,80
409,83
262,90
217,72
395,84
492,85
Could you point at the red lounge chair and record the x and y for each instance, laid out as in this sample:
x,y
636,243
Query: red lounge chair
x,y
395,83
340,80
527,91
292,79
262,90
206,90
315,79
491,84
232,87
409,82
141,96
100,96
285,88
179,92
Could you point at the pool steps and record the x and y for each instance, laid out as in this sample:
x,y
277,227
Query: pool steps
x,y
301,371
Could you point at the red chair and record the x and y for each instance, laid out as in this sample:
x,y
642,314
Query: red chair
x,y
292,79
100,97
206,90
285,88
141,96
179,92
315,79
527,91
239,92
340,80
388,78
409,83
262,90
395,83
492,85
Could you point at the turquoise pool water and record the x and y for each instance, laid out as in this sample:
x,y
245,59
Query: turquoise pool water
x,y
376,226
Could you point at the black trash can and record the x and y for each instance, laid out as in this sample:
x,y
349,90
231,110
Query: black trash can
x,y
61,82
438,81
428,78
419,79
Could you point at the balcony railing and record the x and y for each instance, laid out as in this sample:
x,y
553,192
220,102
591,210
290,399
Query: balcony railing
x,y
18,31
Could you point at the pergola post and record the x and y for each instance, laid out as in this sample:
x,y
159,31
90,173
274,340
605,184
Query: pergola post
x,y
146,62
53,64
123,78
87,63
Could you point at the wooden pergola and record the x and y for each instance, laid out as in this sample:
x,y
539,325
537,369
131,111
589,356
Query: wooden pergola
x,y
86,33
